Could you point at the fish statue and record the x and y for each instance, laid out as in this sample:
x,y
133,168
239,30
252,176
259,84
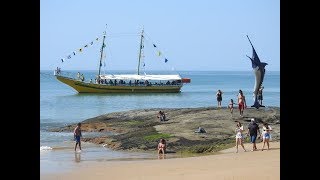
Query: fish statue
x,y
259,72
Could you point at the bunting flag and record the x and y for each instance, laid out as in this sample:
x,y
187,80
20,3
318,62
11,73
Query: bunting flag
x,y
154,45
80,50
144,64
165,60
159,53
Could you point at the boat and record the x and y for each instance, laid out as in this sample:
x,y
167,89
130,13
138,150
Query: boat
x,y
123,83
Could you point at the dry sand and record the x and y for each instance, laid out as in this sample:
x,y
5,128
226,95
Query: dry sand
x,y
262,165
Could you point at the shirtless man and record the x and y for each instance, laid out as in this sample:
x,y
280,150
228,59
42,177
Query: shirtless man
x,y
77,136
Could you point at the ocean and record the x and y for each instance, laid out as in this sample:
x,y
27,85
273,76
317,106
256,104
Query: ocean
x,y
61,105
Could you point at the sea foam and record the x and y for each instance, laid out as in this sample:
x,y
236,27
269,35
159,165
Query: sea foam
x,y
45,148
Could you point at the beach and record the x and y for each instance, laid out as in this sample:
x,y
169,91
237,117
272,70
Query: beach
x,y
227,165
121,131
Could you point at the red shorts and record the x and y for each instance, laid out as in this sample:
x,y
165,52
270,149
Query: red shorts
x,y
241,105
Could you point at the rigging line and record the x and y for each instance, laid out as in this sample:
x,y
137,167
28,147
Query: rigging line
x,y
166,64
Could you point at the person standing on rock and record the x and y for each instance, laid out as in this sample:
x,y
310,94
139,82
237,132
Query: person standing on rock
x,y
219,97
77,136
241,102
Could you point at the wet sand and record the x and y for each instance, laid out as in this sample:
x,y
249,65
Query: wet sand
x,y
227,165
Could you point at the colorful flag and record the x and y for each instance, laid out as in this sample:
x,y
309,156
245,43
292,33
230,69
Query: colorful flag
x,y
159,53
86,46
80,50
74,53
69,57
165,60
62,60
144,64
154,45
91,42
97,39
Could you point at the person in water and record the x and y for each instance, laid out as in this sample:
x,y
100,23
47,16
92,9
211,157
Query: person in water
x,y
77,136
241,102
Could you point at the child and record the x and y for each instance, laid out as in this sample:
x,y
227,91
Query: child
x,y
230,106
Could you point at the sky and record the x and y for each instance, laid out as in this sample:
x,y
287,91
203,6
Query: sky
x,y
199,35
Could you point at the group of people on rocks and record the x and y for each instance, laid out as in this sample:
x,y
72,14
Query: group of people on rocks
x,y
241,99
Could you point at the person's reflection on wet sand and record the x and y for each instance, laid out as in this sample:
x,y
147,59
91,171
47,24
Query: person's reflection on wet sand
x,y
77,157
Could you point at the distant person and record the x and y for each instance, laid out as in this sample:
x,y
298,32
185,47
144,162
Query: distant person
x,y
78,76
260,96
82,77
239,136
253,130
266,136
162,116
77,136
241,102
162,146
230,106
219,97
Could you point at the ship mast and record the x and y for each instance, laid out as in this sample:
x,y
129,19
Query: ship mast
x,y
103,46
141,46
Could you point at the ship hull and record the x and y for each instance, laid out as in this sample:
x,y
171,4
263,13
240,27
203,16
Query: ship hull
x,y
85,87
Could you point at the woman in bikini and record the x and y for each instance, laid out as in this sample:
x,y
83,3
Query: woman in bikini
x,y
162,146
241,102
230,106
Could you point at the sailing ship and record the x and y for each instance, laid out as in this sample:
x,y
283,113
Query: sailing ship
x,y
124,83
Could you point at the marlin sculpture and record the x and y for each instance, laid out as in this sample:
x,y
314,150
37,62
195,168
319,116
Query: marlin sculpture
x,y
259,71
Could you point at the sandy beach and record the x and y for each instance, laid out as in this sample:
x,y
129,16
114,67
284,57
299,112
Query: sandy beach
x,y
227,165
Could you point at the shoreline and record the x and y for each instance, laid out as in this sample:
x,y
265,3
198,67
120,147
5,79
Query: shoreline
x,y
224,165
140,130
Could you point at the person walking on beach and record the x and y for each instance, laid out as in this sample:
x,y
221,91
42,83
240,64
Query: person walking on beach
x,y
253,130
219,97
77,136
230,106
162,146
241,102
266,136
239,136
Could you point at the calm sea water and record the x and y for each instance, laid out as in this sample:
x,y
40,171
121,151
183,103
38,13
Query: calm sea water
x,y
61,105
